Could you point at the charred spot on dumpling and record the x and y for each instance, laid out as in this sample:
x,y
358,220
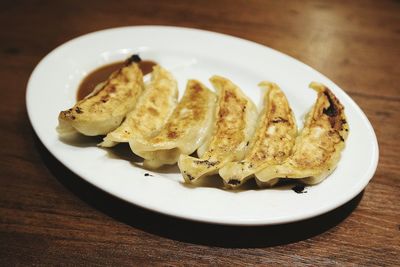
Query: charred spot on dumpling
x,y
111,89
331,111
279,119
206,162
172,134
234,182
67,114
191,178
104,99
133,59
78,110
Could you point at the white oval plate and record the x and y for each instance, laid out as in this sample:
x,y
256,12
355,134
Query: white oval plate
x,y
192,53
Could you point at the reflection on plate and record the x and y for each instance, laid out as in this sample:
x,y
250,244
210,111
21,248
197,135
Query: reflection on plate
x,y
191,53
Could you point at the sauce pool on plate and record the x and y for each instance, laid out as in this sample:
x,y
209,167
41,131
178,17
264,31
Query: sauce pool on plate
x,y
102,73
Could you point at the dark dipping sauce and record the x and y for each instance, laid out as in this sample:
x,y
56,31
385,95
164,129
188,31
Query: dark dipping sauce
x,y
101,74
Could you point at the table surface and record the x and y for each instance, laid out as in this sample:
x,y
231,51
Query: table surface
x,y
50,216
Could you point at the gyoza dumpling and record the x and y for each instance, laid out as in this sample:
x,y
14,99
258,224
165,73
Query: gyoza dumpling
x,y
151,112
272,142
184,131
103,111
235,119
317,149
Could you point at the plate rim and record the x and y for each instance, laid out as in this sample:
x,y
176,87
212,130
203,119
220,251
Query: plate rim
x,y
257,222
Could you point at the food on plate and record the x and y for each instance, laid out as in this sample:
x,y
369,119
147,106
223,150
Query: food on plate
x,y
184,131
272,142
151,112
230,137
103,110
318,147
235,119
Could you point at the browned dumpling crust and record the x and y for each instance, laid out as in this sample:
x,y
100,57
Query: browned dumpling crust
x,y
318,147
104,109
272,142
235,119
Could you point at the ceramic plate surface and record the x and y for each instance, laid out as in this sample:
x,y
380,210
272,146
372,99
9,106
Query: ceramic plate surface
x,y
191,53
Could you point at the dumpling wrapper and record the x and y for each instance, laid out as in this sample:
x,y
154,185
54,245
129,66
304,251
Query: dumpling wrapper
x,y
272,142
318,147
104,109
236,117
184,131
151,112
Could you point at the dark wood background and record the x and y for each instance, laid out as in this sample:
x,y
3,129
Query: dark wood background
x,y
48,216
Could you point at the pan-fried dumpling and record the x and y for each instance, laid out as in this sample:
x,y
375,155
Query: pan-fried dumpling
x,y
151,112
103,111
272,142
184,131
318,147
236,117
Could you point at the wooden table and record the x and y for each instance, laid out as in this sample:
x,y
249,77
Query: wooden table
x,y
49,216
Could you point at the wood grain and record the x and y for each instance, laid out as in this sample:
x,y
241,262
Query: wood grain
x,y
49,216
